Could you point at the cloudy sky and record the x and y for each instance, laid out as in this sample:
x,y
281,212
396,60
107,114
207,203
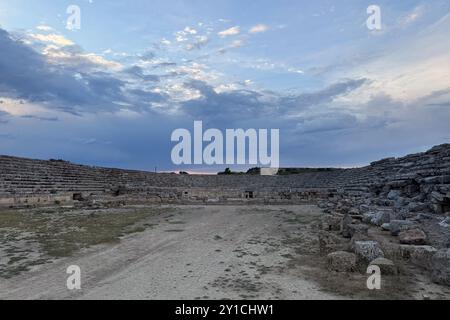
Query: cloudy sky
x,y
112,92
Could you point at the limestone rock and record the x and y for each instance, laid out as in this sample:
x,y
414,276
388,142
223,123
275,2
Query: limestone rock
x,y
368,250
394,194
361,229
387,266
381,217
396,226
412,236
329,242
441,267
418,255
367,217
331,223
341,261
346,221
445,223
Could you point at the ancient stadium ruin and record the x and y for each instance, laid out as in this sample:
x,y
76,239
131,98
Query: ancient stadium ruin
x,y
393,213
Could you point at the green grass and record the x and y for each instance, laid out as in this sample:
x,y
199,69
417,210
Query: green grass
x,y
60,233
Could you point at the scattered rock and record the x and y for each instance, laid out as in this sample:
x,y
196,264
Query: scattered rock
x,y
387,266
329,242
418,255
440,272
381,217
393,194
445,223
386,226
412,236
332,223
367,217
397,226
346,221
361,229
341,261
416,207
368,250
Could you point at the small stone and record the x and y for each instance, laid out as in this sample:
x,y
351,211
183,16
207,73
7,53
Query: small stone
x,y
413,236
387,267
368,250
367,217
396,226
393,194
386,226
445,223
381,217
341,261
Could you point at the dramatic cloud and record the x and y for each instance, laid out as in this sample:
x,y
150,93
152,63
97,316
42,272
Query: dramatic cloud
x,y
228,106
339,94
27,74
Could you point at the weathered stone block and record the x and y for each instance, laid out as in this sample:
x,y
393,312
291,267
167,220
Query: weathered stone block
x,y
361,229
394,194
381,217
330,242
341,261
412,236
396,226
346,221
331,223
418,255
367,250
441,267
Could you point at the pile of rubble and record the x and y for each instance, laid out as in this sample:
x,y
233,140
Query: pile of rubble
x,y
401,212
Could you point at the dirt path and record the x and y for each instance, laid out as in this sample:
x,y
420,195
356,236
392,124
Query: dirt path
x,y
215,252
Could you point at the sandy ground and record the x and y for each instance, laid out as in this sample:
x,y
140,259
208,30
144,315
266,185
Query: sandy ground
x,y
216,252
194,252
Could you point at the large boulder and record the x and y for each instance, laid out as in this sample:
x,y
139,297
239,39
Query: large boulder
x,y
341,261
397,226
387,267
441,267
412,236
418,255
367,250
